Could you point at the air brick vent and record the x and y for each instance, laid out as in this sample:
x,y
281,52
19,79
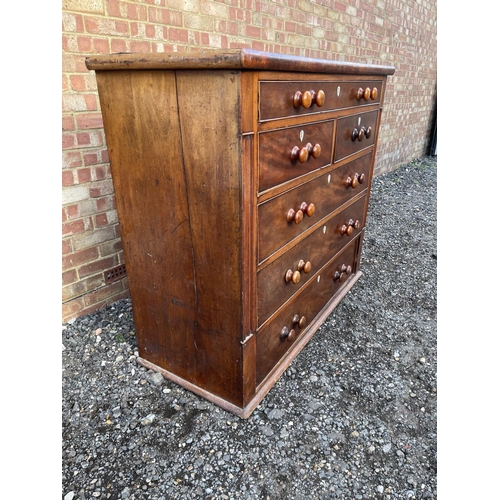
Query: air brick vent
x,y
115,274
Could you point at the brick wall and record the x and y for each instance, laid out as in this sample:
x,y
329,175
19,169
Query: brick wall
x,y
397,32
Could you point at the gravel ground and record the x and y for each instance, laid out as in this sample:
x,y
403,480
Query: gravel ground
x,y
353,417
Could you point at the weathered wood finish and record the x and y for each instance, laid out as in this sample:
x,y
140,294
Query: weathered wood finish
x,y
275,163
328,192
276,97
226,291
317,248
309,302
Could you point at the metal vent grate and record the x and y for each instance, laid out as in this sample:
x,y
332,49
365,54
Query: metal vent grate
x,y
115,274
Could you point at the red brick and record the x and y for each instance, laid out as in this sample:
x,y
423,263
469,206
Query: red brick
x,y
136,46
71,159
178,35
83,175
101,45
104,293
68,178
101,220
80,257
68,141
93,120
97,266
252,31
101,188
118,46
73,227
84,43
69,277
66,246
72,309
77,83
68,123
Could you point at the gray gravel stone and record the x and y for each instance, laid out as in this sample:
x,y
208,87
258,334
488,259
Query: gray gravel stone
x,y
339,424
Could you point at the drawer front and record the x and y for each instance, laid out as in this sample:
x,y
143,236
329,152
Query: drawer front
x,y
281,99
326,193
272,345
355,133
288,153
285,276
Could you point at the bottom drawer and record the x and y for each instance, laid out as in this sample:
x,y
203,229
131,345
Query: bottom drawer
x,y
275,338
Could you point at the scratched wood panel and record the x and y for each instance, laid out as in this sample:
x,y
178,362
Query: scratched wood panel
x,y
181,250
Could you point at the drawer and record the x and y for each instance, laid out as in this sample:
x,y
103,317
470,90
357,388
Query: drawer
x,y
290,152
280,99
272,342
285,276
326,193
354,133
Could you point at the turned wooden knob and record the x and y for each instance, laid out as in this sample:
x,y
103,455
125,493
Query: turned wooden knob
x,y
301,321
349,227
299,215
287,334
354,134
304,266
346,269
359,94
295,216
361,133
352,181
374,93
361,178
308,98
303,154
302,99
368,132
308,209
367,93
292,276
320,98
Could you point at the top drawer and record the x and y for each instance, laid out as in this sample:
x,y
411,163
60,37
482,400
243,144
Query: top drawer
x,y
282,99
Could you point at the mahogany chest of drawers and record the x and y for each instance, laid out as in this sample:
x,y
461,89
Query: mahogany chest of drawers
x,y
242,181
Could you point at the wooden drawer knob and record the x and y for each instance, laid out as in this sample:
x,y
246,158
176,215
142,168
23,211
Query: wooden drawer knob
x,y
308,209
320,98
302,99
304,153
349,227
308,98
354,180
301,321
297,216
287,334
291,276
345,270
304,266
367,93
361,133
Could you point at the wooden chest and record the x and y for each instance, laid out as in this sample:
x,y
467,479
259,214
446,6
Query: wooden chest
x,y
242,181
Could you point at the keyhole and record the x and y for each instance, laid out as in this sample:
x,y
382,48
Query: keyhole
x,y
301,135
